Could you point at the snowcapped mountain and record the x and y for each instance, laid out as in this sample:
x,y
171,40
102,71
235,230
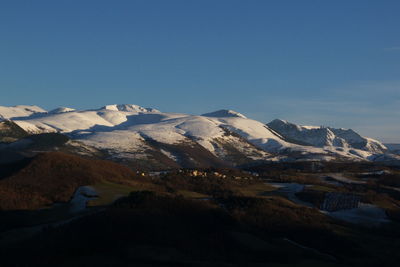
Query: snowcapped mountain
x,y
326,136
129,108
61,110
133,133
19,111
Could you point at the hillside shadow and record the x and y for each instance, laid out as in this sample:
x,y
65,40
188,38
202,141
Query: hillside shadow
x,y
132,120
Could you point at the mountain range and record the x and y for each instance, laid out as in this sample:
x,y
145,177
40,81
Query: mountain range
x,y
149,138
124,185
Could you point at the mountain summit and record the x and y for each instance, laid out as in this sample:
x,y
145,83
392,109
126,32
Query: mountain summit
x,y
131,132
320,136
128,108
224,113
19,111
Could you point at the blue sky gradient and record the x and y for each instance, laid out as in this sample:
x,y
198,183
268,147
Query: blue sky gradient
x,y
331,63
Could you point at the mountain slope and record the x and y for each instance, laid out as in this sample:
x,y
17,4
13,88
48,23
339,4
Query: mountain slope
x,y
9,131
145,134
53,177
326,136
19,111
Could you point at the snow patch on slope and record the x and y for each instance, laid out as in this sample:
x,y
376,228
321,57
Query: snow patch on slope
x,y
118,140
169,155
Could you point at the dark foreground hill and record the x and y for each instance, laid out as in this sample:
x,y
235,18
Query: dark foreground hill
x,y
192,217
53,177
147,229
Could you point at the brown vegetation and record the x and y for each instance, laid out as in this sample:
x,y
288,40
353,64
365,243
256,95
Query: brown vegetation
x,y
222,183
53,177
10,131
162,227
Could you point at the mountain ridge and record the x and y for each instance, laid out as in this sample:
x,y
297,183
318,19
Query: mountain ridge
x,y
127,130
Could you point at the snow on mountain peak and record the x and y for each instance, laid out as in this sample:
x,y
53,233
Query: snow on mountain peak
x,y
19,111
224,113
326,136
128,108
126,125
283,124
61,110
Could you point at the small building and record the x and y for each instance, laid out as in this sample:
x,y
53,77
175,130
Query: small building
x,y
335,201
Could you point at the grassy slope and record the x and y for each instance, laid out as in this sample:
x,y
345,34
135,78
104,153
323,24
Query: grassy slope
x,y
175,226
53,177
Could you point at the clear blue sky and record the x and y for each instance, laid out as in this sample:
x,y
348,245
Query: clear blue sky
x,y
311,62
